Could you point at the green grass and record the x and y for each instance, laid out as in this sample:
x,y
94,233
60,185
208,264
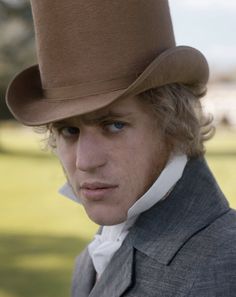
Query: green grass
x,y
41,232
221,157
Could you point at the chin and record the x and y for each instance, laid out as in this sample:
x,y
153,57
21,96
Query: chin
x,y
105,220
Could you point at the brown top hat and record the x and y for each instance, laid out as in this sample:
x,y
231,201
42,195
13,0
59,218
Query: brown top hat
x,y
92,52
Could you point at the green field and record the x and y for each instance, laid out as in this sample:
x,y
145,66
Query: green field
x,y
41,232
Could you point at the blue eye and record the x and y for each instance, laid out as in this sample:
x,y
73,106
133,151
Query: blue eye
x,y
115,127
69,131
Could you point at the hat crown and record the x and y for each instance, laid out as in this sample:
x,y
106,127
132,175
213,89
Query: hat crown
x,y
87,41
96,52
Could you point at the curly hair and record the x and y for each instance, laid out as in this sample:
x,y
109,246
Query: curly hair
x,y
180,117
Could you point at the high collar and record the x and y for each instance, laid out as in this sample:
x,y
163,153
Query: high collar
x,y
160,232
104,245
163,184
193,204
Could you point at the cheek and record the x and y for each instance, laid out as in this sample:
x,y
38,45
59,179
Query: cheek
x,y
66,157
132,170
145,166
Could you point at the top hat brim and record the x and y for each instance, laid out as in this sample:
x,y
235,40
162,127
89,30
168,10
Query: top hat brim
x,y
25,97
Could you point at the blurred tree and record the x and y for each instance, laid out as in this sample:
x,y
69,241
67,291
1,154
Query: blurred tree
x,y
16,44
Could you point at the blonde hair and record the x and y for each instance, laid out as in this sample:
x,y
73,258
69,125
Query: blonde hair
x,y
179,115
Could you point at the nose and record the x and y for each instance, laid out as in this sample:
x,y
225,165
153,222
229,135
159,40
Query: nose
x,y
90,153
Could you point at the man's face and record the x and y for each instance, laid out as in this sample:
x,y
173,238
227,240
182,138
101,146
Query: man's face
x,y
111,157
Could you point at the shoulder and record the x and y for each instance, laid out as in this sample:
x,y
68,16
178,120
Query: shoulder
x,y
221,233
216,273
217,240
224,259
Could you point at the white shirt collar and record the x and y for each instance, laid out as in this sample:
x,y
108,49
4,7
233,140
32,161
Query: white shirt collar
x,y
67,191
168,177
103,247
166,180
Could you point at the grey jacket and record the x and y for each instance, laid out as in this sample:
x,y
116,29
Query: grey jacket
x,y
182,246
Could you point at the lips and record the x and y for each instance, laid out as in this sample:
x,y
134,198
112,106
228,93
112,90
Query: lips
x,y
97,190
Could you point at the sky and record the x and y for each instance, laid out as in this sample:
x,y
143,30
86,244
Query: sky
x,y
208,25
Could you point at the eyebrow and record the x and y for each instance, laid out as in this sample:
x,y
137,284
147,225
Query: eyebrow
x,y
109,115
92,120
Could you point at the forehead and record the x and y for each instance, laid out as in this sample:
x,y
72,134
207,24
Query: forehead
x,y
121,108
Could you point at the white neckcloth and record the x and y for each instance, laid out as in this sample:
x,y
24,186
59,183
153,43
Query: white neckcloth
x,y
104,245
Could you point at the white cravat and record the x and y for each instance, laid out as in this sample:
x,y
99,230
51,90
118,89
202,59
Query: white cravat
x,y
104,245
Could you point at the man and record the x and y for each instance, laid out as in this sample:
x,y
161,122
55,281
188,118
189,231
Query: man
x,y
121,103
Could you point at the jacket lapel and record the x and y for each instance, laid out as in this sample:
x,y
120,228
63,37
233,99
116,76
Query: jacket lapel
x,y
160,232
117,277
195,202
84,276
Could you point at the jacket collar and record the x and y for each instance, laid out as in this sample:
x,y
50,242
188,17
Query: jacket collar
x,y
84,276
160,232
194,203
118,275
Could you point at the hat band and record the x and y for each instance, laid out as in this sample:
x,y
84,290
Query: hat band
x,y
88,89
